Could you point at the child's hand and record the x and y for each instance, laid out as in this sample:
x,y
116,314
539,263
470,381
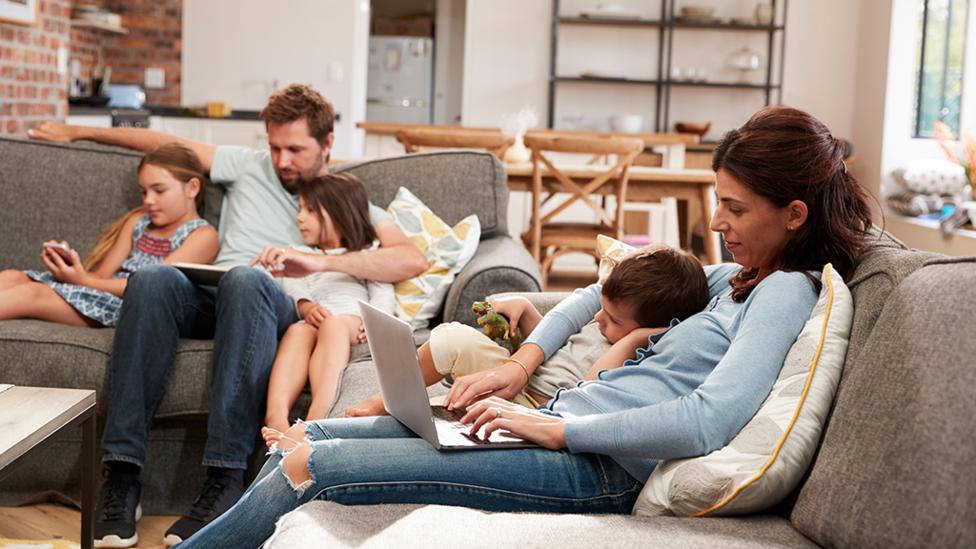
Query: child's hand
x,y
513,308
73,273
638,337
315,315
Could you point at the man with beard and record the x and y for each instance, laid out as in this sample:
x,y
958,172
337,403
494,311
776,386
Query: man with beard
x,y
245,314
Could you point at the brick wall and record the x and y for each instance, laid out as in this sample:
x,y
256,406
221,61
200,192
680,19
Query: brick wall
x,y
86,47
31,90
155,40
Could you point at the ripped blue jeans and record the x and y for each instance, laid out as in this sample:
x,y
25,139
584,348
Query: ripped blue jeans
x,y
358,461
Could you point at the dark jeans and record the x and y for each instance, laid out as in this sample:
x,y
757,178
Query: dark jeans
x,y
245,315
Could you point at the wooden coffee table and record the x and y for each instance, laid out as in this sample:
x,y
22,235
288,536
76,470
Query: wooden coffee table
x,y
30,415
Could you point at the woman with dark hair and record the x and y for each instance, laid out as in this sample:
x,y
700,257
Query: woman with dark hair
x,y
786,206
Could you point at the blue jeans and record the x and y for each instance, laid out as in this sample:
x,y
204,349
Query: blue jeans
x,y
245,315
377,460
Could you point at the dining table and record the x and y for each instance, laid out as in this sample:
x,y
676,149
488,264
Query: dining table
x,y
645,184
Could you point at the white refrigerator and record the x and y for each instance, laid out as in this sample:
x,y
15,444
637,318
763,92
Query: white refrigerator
x,y
399,83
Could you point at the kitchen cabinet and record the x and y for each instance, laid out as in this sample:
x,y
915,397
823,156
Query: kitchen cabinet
x,y
246,133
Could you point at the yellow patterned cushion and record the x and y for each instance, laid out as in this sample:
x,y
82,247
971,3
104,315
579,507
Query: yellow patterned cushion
x,y
769,456
611,252
448,249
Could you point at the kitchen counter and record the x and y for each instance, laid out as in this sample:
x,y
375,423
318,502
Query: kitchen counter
x,y
161,110
169,111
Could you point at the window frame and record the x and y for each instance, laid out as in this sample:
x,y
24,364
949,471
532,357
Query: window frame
x,y
964,98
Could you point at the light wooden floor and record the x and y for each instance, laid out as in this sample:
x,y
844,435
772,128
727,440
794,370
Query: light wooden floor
x,y
564,281
50,521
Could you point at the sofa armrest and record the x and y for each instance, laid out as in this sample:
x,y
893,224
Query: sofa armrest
x,y
500,265
542,301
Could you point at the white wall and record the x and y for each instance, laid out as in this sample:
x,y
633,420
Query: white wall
x,y
449,30
512,39
506,59
821,59
240,51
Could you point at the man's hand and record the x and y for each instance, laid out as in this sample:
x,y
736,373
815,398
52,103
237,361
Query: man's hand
x,y
54,131
495,414
74,273
282,261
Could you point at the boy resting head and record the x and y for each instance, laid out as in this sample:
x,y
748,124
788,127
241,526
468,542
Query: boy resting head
x,y
644,295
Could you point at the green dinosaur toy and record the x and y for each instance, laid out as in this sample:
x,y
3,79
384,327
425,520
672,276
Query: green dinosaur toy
x,y
495,325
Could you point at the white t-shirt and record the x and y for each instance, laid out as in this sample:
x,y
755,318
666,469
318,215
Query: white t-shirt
x,y
256,210
340,293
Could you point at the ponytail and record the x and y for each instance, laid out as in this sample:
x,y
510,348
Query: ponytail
x,y
177,159
107,239
784,154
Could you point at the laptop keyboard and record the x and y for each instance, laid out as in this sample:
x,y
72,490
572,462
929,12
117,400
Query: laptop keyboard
x,y
449,416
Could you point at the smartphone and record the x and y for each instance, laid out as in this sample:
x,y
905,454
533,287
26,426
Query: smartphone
x,y
61,249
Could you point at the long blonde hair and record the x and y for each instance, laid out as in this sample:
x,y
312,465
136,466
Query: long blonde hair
x,y
177,159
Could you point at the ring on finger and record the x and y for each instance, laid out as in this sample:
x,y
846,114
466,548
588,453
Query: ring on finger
x,y
498,413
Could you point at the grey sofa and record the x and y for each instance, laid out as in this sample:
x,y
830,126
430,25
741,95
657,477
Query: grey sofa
x,y
895,467
71,191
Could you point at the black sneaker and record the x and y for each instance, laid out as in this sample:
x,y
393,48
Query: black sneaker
x,y
118,510
220,492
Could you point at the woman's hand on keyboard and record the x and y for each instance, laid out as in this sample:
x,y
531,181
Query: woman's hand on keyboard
x,y
496,414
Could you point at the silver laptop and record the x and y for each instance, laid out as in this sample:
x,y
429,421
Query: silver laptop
x,y
405,395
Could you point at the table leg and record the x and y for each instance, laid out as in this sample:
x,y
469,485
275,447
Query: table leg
x,y
88,481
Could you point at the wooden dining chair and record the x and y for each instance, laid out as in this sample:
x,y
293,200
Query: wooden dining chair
x,y
547,239
493,141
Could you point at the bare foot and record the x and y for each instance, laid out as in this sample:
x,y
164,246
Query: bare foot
x,y
270,436
283,440
372,406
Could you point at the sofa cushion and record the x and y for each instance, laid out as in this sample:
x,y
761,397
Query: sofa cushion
x,y
447,250
769,456
329,524
39,176
892,469
34,352
611,252
436,178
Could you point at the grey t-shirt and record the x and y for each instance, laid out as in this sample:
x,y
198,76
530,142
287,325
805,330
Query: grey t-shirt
x,y
567,366
256,211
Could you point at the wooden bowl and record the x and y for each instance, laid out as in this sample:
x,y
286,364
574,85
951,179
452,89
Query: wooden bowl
x,y
697,128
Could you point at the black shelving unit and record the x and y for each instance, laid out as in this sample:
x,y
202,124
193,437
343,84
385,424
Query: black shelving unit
x,y
668,24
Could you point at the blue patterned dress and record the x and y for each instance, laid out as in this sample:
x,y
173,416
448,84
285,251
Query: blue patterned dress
x,y
103,307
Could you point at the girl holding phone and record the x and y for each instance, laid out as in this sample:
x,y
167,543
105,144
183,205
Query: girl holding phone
x,y
165,228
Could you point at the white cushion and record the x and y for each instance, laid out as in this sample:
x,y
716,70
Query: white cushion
x,y
771,453
447,249
933,176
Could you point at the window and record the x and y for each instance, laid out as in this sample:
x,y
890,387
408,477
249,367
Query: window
x,y
939,62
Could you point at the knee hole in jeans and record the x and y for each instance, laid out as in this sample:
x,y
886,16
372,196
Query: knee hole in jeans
x,y
296,469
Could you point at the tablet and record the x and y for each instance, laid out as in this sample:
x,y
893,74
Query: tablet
x,y
202,273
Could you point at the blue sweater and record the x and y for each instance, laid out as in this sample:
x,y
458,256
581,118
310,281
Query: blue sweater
x,y
693,387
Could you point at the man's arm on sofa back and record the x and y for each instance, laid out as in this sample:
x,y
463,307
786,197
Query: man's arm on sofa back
x,y
140,139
